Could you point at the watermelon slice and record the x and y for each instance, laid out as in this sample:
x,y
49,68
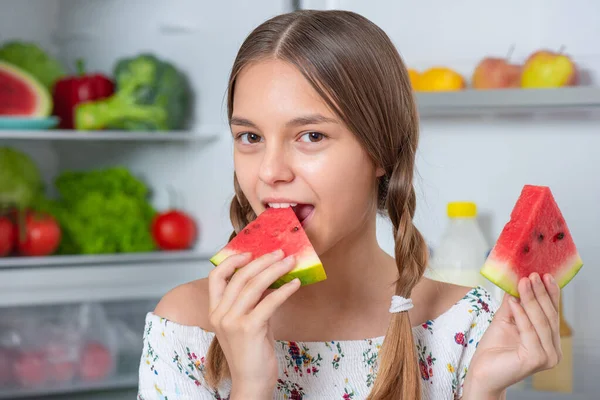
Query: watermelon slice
x,y
536,239
273,229
22,95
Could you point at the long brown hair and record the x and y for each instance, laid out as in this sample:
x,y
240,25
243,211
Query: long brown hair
x,y
356,69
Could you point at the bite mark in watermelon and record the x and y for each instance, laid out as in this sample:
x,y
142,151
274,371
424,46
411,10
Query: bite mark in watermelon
x,y
273,229
22,95
536,239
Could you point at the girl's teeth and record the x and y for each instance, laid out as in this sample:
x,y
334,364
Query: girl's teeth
x,y
282,205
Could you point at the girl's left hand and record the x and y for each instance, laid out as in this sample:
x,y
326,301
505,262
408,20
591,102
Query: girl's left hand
x,y
522,339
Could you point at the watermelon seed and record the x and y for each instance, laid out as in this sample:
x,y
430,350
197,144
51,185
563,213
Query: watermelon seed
x,y
559,236
526,248
295,229
541,237
246,231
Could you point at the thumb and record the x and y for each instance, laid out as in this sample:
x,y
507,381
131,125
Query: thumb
x,y
504,311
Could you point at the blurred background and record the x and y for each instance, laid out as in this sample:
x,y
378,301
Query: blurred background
x,y
127,196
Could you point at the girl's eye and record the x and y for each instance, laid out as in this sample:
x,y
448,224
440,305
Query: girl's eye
x,y
313,137
250,137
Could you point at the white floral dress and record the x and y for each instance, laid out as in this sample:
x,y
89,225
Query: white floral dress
x,y
173,359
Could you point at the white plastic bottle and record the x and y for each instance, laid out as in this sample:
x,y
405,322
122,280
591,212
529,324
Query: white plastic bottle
x,y
462,250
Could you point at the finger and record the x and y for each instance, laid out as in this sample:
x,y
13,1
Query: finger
x,y
553,291
251,293
217,278
527,332
537,316
546,303
241,277
267,307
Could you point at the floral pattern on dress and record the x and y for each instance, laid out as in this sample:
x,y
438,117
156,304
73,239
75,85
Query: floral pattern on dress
x,y
173,359
428,326
335,347
290,390
370,360
300,360
426,362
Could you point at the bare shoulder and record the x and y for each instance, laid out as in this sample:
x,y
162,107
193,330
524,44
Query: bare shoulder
x,y
438,296
186,304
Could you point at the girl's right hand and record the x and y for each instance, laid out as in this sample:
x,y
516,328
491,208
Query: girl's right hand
x,y
240,318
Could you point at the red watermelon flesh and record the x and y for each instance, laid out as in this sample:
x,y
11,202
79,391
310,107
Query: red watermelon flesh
x,y
21,95
273,229
536,239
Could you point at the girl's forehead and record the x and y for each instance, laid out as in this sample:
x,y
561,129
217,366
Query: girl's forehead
x,y
277,85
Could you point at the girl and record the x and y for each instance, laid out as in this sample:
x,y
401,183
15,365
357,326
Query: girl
x,y
322,115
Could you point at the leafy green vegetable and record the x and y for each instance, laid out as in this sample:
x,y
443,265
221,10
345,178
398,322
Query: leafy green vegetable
x,y
33,59
150,95
20,179
102,211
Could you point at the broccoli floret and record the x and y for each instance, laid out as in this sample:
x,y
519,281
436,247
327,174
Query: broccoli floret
x,y
150,95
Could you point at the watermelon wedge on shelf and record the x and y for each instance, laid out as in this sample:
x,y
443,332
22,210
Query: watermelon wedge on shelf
x,y
536,239
273,229
21,94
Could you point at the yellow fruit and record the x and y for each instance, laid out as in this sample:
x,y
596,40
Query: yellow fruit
x,y
438,79
548,69
414,76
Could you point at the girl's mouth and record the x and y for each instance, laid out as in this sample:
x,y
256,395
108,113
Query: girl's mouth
x,y
302,210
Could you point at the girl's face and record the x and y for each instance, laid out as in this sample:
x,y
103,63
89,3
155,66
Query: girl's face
x,y
290,148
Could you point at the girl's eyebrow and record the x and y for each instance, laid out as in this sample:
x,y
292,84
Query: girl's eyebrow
x,y
310,119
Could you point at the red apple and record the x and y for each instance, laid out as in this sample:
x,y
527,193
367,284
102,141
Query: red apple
x,y
496,73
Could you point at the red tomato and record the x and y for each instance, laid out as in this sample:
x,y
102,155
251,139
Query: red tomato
x,y
7,236
174,230
42,235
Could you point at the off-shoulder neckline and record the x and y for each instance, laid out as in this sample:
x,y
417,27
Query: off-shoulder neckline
x,y
194,330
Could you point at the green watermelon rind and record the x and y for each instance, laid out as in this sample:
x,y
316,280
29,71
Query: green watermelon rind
x,y
44,100
308,269
499,273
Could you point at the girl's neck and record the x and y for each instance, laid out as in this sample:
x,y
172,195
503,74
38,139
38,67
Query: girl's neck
x,y
359,273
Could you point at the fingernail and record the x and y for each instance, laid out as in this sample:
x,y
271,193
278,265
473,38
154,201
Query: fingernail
x,y
513,299
278,252
551,279
535,277
289,259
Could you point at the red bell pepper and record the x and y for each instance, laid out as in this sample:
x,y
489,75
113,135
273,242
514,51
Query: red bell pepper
x,y
70,91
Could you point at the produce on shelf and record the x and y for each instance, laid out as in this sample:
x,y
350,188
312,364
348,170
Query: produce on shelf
x,y
33,59
440,79
101,211
150,95
20,179
21,94
174,230
536,239
413,75
82,87
496,73
8,236
549,69
274,229
41,234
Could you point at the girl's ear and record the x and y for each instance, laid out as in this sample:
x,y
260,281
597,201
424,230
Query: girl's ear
x,y
380,172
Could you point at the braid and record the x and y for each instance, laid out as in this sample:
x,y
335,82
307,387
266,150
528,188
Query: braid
x,y
398,373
